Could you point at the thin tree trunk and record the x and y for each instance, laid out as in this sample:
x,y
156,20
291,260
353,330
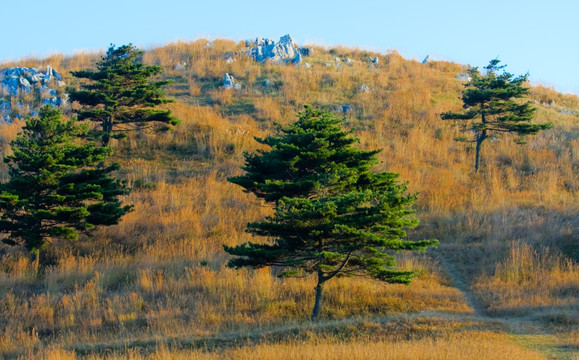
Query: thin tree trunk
x,y
479,141
318,303
35,258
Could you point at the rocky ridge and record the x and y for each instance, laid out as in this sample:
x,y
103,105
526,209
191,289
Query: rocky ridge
x,y
284,51
33,87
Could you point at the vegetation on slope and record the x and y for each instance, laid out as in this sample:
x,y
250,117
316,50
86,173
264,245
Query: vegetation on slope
x,y
160,273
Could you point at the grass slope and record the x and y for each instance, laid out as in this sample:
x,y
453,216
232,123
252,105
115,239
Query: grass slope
x,y
155,286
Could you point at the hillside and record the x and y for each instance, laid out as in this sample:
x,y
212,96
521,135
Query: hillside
x,y
502,284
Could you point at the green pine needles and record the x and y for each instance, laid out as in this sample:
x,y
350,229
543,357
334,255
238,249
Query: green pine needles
x,y
58,187
333,215
491,107
120,95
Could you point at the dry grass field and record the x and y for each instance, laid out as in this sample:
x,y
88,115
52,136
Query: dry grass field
x,y
503,284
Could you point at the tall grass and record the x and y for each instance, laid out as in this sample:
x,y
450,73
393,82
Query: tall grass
x,y
160,272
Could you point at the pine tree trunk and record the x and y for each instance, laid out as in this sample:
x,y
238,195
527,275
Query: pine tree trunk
x,y
318,303
107,129
35,259
479,141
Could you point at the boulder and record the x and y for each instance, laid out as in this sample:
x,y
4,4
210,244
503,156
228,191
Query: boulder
x,y
283,51
427,59
5,107
464,78
364,89
306,51
349,61
229,82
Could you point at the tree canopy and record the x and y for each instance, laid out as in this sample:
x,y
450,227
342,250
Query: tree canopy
x,y
333,215
57,187
120,94
491,106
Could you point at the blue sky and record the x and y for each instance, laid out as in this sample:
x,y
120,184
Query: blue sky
x,y
539,37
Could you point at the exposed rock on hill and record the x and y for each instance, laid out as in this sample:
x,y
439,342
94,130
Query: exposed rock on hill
x,y
464,78
39,86
229,82
283,51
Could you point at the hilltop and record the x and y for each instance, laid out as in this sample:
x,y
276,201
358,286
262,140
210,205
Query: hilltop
x,y
502,283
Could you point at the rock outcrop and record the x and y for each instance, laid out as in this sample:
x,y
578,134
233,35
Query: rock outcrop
x,y
284,51
40,86
229,82
464,78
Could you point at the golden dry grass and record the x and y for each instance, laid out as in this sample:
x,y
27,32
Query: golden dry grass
x,y
466,345
530,278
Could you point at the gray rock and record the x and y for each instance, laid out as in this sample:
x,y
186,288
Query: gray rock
x,y
5,107
266,83
349,61
464,78
568,112
7,119
298,59
229,60
307,65
337,59
427,59
53,101
306,51
56,75
229,82
346,108
15,81
364,89
376,60
180,67
283,51
25,84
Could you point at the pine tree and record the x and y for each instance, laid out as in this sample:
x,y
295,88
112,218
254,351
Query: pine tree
x,y
57,187
333,215
491,107
120,94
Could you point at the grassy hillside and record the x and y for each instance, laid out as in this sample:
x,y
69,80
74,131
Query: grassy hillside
x,y
504,281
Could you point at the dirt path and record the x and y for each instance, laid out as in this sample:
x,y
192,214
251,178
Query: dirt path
x,y
461,284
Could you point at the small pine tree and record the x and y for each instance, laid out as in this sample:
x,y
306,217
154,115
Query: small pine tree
x,y
57,187
491,107
120,93
333,215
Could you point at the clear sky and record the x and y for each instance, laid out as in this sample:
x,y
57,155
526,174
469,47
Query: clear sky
x,y
539,37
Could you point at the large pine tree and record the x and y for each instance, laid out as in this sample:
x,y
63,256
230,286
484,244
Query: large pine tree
x,y
333,215
491,107
120,94
58,187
